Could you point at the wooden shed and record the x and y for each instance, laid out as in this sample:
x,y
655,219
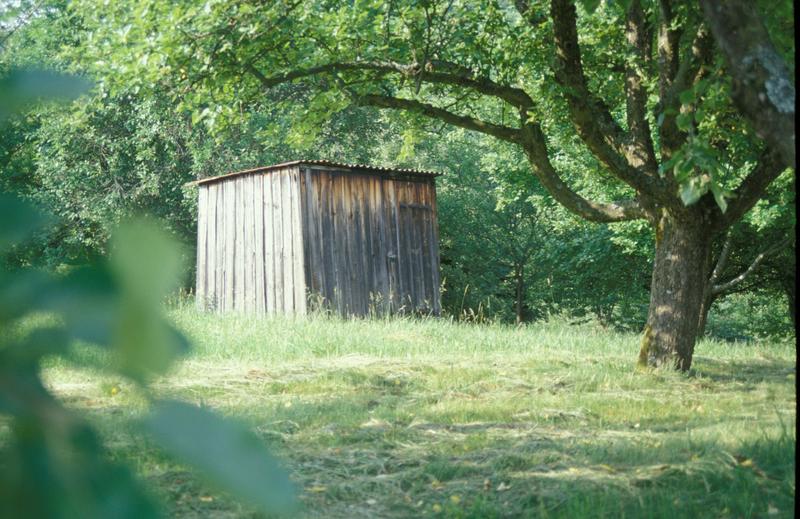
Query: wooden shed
x,y
300,235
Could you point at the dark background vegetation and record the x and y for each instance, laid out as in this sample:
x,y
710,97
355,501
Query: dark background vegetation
x,y
508,252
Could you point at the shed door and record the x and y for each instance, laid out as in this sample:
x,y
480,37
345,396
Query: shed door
x,y
413,265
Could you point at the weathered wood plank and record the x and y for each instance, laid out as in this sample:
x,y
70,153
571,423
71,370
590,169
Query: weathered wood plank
x,y
327,222
277,244
348,249
312,240
211,249
258,243
382,226
305,223
219,247
437,308
427,259
287,251
370,255
298,252
251,230
339,236
240,278
202,237
407,253
393,242
420,231
245,286
270,242
230,245
358,264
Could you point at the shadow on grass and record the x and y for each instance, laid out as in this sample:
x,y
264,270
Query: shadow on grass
x,y
749,371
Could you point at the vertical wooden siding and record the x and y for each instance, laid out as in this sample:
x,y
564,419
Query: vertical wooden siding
x,y
359,243
371,242
250,251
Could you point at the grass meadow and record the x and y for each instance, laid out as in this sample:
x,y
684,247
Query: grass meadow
x,y
430,418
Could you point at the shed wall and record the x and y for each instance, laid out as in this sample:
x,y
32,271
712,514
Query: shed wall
x,y
371,242
250,250
356,242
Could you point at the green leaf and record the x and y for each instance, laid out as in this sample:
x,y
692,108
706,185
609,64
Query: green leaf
x,y
60,469
39,343
18,220
719,195
146,263
690,194
22,87
684,121
21,291
590,6
686,97
229,455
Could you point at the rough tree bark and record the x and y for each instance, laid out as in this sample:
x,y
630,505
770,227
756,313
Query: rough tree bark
x,y
677,292
762,86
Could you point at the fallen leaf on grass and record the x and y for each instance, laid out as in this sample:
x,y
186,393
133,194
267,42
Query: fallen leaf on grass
x,y
503,486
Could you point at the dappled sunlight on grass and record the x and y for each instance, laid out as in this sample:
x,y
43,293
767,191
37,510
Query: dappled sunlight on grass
x,y
406,418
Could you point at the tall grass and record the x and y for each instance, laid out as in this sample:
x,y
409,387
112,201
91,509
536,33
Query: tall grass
x,y
428,417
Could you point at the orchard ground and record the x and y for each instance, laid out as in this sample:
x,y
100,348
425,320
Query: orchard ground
x,y
430,418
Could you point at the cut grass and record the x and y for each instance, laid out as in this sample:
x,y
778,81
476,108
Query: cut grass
x,y
409,418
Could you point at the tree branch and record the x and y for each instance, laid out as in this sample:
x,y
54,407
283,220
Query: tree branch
x,y
532,140
689,71
668,46
436,71
769,167
721,261
624,156
635,91
717,290
433,71
535,146
505,133
762,87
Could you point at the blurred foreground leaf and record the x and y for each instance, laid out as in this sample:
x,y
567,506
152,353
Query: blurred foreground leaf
x,y
53,464
230,456
18,220
21,87
63,472
146,263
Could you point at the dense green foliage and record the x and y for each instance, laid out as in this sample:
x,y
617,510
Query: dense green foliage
x,y
130,146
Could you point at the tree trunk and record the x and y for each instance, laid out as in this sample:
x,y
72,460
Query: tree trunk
x,y
708,301
789,290
677,293
520,292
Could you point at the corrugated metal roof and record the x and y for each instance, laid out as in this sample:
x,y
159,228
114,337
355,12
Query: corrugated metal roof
x,y
324,163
